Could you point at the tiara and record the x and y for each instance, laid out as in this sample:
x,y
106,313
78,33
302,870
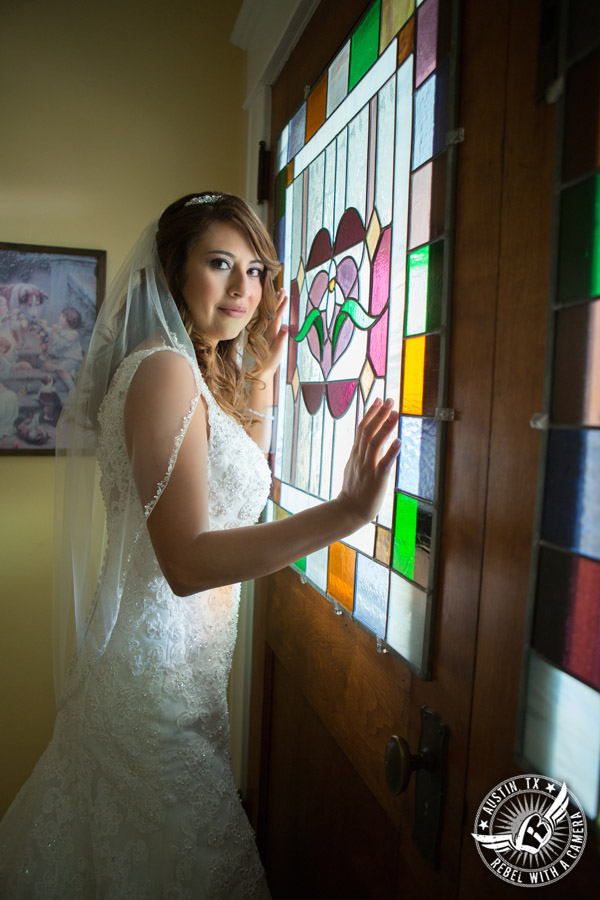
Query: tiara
x,y
205,198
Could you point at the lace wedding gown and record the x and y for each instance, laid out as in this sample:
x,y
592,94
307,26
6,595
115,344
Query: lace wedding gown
x,y
134,797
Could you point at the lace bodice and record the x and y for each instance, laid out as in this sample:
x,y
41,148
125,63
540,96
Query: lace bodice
x,y
134,798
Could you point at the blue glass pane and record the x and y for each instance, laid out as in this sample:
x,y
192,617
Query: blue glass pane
x,y
424,107
571,516
370,600
416,465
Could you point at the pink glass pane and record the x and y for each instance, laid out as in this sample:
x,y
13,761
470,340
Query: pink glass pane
x,y
313,396
293,346
427,28
339,396
350,231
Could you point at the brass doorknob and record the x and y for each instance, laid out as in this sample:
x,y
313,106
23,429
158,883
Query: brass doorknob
x,y
400,763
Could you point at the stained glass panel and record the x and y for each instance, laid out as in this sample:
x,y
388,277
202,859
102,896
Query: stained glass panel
x,y
365,178
560,714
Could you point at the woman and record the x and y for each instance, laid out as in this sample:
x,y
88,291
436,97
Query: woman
x,y
134,797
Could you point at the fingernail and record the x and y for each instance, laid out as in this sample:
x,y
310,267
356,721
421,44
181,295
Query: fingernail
x,y
376,402
389,402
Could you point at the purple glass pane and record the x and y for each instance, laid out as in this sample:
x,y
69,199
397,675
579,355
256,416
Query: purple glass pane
x,y
297,132
380,281
427,28
313,396
350,231
442,107
320,251
427,460
339,396
378,345
292,345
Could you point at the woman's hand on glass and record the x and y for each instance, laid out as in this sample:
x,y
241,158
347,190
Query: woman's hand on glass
x,y
369,464
275,336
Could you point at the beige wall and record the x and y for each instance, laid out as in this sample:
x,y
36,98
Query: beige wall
x,y
110,110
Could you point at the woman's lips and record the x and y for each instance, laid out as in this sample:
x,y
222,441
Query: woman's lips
x,y
235,312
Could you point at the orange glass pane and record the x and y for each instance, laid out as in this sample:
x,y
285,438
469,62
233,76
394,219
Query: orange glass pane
x,y
394,14
276,489
383,545
316,107
340,576
406,41
290,173
414,367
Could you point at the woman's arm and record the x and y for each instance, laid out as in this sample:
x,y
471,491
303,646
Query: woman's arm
x,y
193,558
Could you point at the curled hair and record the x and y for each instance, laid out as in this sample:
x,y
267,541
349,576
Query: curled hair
x,y
179,228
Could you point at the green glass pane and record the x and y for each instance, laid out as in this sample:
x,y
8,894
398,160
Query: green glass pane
x,y
301,564
425,271
364,45
579,251
405,530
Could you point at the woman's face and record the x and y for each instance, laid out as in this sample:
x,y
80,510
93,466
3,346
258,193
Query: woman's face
x,y
223,284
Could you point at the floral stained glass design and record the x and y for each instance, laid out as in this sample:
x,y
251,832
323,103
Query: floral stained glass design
x,y
361,192
560,728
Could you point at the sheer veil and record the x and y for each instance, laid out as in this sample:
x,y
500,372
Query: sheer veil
x,y
137,313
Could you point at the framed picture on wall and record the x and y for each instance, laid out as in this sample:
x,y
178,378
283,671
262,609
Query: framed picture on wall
x,y
49,297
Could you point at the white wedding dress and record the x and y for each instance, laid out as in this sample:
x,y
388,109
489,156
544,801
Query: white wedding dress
x,y
134,797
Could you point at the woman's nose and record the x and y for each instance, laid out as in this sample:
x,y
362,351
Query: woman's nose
x,y
238,283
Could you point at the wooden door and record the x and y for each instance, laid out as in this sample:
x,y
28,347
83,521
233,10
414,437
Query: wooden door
x,y
325,701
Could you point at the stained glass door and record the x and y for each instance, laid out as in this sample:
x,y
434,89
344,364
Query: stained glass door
x,y
363,226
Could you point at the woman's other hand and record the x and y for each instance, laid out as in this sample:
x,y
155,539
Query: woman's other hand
x,y
368,466
275,336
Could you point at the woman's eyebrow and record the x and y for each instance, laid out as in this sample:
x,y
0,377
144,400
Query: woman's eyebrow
x,y
232,255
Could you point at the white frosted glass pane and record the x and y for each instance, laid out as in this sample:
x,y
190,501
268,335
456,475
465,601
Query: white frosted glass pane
x,y
384,172
356,177
375,78
329,199
407,615
287,261
308,367
296,242
269,511
562,731
340,176
315,453
342,444
371,594
314,216
316,568
337,79
279,436
288,432
363,539
326,463
350,363
282,149
303,447
294,500
420,206
408,466
424,122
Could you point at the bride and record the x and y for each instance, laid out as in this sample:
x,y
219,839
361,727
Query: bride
x,y
134,798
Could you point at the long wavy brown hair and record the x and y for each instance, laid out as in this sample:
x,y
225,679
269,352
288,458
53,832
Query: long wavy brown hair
x,y
180,227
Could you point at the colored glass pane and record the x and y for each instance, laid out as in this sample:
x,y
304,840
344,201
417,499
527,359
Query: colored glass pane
x,y
340,578
427,204
364,45
576,367
567,617
282,149
582,118
406,41
297,132
426,52
562,730
371,594
316,568
394,14
280,188
407,619
571,513
416,463
383,545
414,367
338,79
316,107
579,249
405,530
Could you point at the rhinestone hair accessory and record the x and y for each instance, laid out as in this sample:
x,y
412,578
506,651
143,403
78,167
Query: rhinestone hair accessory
x,y
205,198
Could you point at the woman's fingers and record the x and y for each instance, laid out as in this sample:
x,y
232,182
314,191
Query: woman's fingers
x,y
377,425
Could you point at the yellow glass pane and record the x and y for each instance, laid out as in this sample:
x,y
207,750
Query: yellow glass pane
x,y
316,107
394,14
414,368
290,173
340,577
383,545
279,513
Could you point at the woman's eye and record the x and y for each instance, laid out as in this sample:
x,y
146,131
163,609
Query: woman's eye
x,y
256,272
219,263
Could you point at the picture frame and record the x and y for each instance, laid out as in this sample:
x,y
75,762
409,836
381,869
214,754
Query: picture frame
x,y
49,299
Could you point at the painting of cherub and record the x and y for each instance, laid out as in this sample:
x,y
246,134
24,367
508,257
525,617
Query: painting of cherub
x,y
49,297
